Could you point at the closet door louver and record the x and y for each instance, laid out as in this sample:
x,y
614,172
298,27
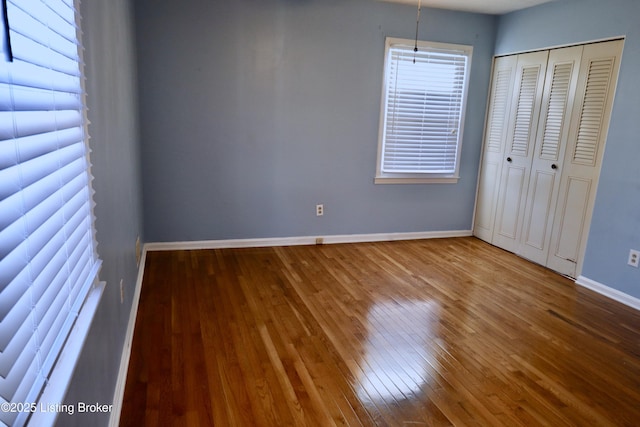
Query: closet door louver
x,y
593,111
526,109
556,109
499,106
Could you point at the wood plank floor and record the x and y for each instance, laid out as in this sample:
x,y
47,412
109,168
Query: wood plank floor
x,y
420,333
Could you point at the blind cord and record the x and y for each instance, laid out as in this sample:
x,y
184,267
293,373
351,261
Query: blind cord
x,y
415,48
6,31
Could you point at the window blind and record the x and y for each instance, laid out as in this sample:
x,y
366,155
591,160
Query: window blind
x,y
424,100
48,259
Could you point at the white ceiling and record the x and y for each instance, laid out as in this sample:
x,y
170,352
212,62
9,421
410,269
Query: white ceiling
x,y
495,7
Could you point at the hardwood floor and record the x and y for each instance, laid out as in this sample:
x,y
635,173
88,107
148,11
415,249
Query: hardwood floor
x,y
419,333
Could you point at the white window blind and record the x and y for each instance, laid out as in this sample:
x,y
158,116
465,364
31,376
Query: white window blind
x,y
48,260
423,105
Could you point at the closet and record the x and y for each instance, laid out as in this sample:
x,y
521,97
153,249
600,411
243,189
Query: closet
x,y
546,126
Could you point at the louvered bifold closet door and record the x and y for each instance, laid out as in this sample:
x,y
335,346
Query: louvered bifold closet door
x,y
551,141
583,157
48,260
504,71
517,156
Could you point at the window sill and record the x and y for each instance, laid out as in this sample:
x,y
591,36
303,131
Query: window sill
x,y
55,391
415,180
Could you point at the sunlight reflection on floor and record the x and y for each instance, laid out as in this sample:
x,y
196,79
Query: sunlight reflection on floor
x,y
396,364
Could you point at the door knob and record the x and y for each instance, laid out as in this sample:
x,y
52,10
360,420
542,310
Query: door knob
x,y
509,159
554,166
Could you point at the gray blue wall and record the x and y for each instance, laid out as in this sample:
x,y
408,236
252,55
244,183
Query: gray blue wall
x,y
252,112
111,87
615,227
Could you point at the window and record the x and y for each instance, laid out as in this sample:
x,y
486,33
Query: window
x,y
48,259
422,111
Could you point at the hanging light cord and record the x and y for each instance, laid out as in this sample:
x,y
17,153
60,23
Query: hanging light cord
x,y
415,48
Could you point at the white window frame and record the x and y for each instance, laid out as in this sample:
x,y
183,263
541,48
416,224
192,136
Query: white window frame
x,y
383,174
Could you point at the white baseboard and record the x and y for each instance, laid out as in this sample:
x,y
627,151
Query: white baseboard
x,y
303,240
114,419
614,294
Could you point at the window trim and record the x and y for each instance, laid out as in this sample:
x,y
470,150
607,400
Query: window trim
x,y
425,177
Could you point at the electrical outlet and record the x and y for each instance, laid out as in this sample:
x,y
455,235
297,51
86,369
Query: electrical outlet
x,y
319,210
121,291
634,258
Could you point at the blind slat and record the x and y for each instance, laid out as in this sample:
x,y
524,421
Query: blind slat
x,y
17,124
36,76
